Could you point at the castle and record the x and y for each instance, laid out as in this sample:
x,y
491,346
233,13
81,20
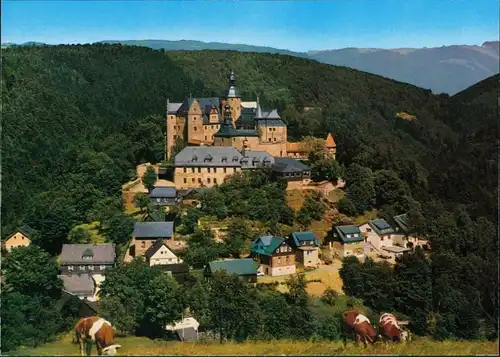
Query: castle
x,y
228,121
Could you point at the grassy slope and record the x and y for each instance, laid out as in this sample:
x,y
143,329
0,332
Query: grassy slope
x,y
144,346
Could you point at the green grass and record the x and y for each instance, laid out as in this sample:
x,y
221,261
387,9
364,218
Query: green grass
x,y
336,195
145,346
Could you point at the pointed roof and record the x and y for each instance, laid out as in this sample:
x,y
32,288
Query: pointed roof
x,y
232,91
330,143
266,245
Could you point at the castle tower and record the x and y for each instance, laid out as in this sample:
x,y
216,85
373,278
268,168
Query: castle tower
x,y
330,146
233,98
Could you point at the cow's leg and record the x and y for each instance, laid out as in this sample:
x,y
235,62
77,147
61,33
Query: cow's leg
x,y
357,339
98,346
88,345
81,347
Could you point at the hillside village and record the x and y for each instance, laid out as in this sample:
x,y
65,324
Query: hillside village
x,y
209,140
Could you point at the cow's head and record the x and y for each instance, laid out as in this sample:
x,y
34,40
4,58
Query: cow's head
x,y
111,350
405,336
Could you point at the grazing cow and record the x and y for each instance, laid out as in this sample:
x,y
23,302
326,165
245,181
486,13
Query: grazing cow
x,y
95,329
390,330
359,323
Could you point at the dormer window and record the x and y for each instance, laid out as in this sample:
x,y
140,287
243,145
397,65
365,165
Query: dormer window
x,y
195,158
235,158
208,158
87,255
224,159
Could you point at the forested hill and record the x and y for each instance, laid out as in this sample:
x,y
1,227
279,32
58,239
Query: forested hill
x,y
76,119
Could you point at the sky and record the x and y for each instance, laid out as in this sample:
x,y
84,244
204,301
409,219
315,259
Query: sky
x,y
293,25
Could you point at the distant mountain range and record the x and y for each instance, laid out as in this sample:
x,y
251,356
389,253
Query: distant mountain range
x,y
446,69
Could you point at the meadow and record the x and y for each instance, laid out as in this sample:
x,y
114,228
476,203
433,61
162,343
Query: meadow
x,y
145,346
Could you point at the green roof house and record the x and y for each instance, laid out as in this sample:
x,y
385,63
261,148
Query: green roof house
x,y
306,247
348,240
275,255
244,268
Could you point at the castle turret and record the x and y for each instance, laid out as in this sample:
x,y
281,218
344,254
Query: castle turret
x,y
233,98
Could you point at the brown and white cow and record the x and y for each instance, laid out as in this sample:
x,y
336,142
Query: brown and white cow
x,y
390,329
96,330
360,325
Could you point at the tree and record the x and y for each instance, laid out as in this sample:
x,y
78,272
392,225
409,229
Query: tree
x,y
347,207
149,140
327,169
413,289
149,178
360,187
121,313
178,146
32,272
233,307
312,210
390,190
301,322
163,302
141,200
120,228
201,249
237,237
79,235
189,221
104,209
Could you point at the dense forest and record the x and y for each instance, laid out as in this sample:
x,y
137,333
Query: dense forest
x,y
76,119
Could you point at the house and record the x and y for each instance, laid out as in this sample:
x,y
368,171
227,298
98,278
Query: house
x,y
80,285
146,233
86,258
348,240
205,166
244,268
16,240
378,234
177,271
306,247
274,254
164,196
186,330
82,268
160,254
404,235
296,173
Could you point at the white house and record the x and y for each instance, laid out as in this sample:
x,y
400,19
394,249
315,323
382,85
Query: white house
x,y
160,254
404,235
378,234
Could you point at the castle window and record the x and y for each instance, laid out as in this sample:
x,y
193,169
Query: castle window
x,y
70,267
195,128
185,180
224,170
185,170
215,180
192,169
274,139
192,180
269,139
208,180
206,138
199,180
215,170
208,169
199,169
